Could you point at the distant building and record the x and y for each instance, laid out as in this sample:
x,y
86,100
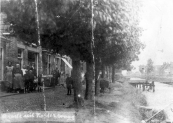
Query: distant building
x,y
164,70
157,69
169,69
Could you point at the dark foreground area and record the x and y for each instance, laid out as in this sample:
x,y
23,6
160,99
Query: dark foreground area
x,y
120,106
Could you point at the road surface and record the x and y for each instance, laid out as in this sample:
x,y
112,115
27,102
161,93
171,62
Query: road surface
x,y
162,98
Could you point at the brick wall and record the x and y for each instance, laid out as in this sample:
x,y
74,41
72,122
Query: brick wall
x,y
25,56
2,59
12,55
11,52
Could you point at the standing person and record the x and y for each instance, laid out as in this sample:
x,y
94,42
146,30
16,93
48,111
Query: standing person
x,y
34,70
62,79
26,81
53,73
58,75
69,84
31,81
9,76
24,70
39,82
18,79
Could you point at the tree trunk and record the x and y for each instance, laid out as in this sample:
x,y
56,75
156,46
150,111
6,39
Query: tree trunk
x,y
89,81
103,71
76,76
113,74
97,83
110,71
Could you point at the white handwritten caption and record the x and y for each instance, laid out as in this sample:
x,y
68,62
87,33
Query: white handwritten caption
x,y
38,116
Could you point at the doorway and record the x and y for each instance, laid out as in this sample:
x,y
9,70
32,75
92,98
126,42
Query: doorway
x,y
32,59
2,64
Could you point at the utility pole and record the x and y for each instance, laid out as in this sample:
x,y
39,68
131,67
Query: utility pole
x,y
40,48
39,41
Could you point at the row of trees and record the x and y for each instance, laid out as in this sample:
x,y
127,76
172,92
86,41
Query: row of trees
x,y
150,68
66,28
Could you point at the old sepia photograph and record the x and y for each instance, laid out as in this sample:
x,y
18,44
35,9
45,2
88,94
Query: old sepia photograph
x,y
86,61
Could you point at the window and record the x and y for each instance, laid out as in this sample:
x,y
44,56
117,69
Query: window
x,y
1,53
49,72
62,66
32,59
20,57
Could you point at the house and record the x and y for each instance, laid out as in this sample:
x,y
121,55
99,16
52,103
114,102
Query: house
x,y
52,61
3,43
169,69
164,70
17,51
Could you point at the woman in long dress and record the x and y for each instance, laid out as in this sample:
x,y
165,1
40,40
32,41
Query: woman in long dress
x,y
18,85
9,77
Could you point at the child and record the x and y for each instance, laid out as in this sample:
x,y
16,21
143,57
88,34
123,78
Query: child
x,y
69,83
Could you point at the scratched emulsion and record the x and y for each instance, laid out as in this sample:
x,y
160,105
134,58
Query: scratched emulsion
x,y
39,42
92,46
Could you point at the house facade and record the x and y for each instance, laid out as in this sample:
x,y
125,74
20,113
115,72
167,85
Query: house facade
x,y
16,50
3,43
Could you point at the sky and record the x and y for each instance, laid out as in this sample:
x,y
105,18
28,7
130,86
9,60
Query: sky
x,y
157,23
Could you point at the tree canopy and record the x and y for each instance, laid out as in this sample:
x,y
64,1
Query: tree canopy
x,y
66,25
150,66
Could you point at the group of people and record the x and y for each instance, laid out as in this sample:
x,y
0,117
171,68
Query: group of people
x,y
20,80
62,79
55,80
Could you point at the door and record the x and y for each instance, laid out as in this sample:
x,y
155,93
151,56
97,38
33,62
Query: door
x,y
2,64
20,57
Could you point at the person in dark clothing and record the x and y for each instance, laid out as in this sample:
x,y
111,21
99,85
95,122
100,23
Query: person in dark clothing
x,y
69,84
26,81
33,71
34,85
31,81
18,84
39,82
57,76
